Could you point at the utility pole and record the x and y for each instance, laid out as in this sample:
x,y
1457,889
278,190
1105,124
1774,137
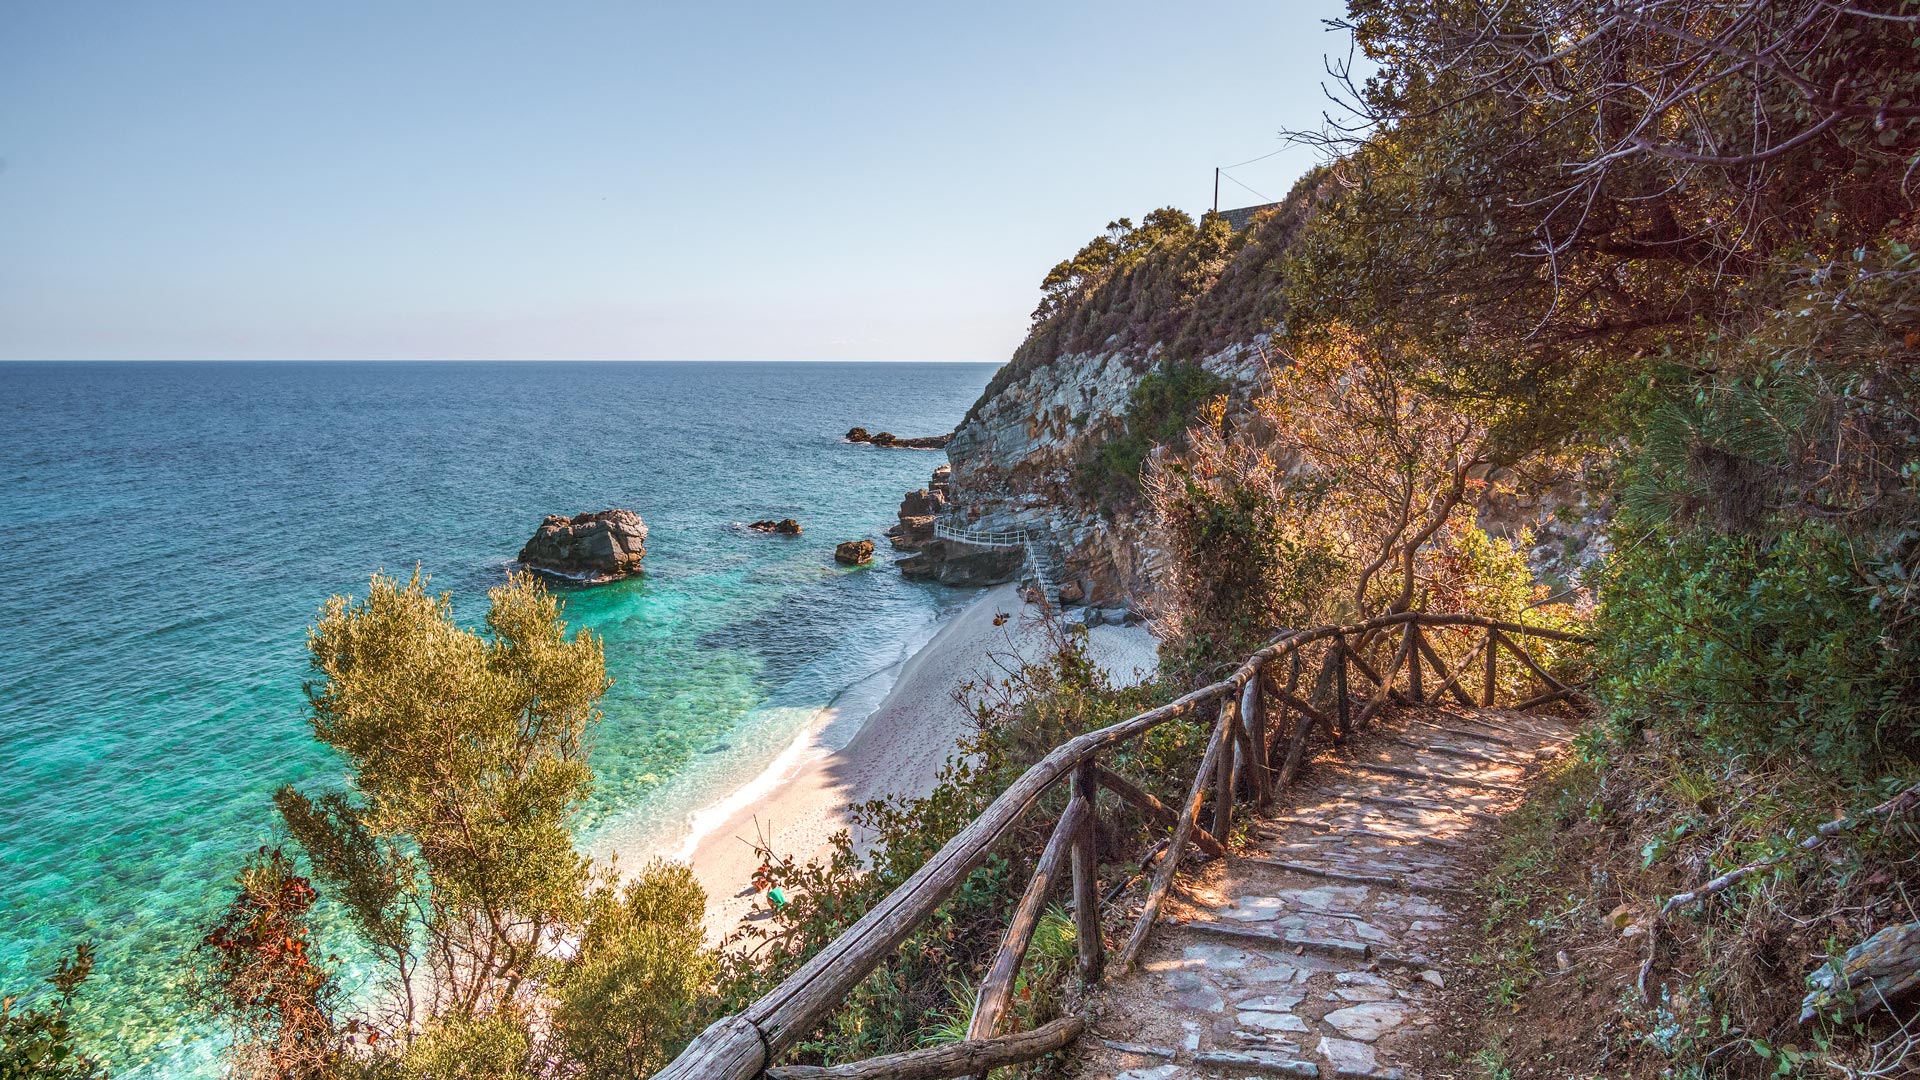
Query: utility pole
x,y
1216,189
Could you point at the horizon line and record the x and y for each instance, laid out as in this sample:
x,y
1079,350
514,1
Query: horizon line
x,y
454,360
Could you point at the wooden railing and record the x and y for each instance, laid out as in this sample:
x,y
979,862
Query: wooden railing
x,y
1248,754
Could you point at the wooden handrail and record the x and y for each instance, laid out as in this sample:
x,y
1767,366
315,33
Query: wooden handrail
x,y
949,1059
742,1046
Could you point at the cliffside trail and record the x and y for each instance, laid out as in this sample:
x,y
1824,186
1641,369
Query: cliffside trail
x,y
1316,950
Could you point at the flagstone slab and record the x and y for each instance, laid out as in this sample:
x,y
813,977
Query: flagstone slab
x,y
1306,953
1369,1021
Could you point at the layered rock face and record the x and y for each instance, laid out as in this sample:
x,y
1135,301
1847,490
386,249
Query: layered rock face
x,y
962,564
1012,469
591,547
1206,301
937,559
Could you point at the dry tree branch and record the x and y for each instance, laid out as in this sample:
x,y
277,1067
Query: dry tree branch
x,y
1900,803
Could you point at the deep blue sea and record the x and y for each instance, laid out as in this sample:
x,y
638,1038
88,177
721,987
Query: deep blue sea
x,y
173,528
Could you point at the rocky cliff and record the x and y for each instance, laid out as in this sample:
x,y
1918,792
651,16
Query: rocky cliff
x,y
1191,299
1013,468
1205,297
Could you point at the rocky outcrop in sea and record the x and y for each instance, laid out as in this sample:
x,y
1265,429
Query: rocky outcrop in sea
x,y
919,509
783,527
854,552
601,546
889,439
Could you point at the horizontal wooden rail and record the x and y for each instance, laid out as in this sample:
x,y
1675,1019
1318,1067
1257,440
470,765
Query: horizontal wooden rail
x,y
948,1059
1239,753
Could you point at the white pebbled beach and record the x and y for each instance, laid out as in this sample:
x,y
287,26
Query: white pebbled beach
x,y
800,801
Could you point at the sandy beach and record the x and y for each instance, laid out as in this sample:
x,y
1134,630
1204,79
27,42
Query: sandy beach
x,y
802,799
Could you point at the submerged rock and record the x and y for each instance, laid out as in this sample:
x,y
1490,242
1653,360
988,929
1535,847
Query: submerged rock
x,y
588,547
854,552
784,527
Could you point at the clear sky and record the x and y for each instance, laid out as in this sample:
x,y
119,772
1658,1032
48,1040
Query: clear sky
x,y
348,179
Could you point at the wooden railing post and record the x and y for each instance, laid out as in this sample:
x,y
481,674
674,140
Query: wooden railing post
x,y
1155,810
1163,874
1223,779
1340,685
1253,714
1390,674
996,989
1273,719
1086,874
1493,662
1412,649
1556,690
1449,683
1156,892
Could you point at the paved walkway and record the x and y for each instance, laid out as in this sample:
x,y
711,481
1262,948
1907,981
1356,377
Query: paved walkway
x,y
1306,952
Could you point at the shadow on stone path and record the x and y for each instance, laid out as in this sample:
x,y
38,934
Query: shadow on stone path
x,y
1305,952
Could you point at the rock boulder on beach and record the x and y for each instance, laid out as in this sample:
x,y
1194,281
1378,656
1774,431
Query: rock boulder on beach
x,y
854,552
589,547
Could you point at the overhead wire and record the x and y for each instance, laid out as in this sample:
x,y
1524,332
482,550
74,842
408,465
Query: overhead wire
x,y
1236,180
1262,157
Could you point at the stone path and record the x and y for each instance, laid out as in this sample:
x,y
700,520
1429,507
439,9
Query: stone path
x,y
1305,952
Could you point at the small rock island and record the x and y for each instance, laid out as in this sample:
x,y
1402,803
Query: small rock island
x,y
783,527
854,553
889,439
598,547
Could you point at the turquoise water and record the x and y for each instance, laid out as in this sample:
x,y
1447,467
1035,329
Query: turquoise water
x,y
171,529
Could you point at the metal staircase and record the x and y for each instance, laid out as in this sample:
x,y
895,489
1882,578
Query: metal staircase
x,y
1043,558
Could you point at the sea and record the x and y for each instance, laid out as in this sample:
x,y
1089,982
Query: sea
x,y
171,530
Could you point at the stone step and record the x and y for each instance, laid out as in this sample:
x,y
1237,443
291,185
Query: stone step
x,y
1361,830
1429,808
1141,1049
1292,939
1434,778
1264,1062
1465,755
1477,736
1358,878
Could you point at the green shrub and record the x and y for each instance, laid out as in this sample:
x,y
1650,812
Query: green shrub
x,y
1765,644
40,1043
1162,406
498,1046
453,860
636,990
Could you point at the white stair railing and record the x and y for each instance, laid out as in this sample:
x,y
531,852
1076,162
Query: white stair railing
x,y
1039,550
952,528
